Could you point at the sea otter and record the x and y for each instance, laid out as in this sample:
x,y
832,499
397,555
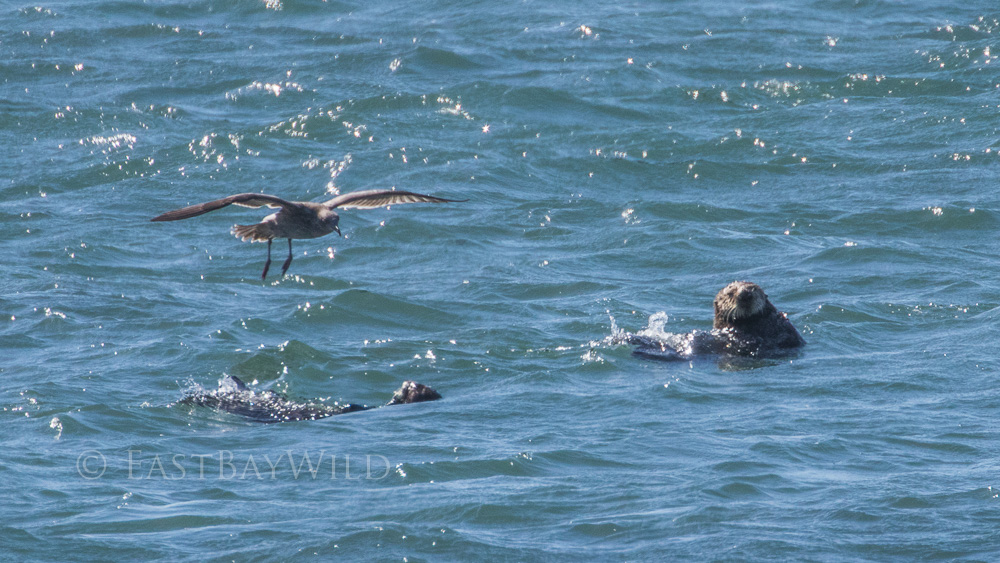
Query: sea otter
x,y
233,396
746,324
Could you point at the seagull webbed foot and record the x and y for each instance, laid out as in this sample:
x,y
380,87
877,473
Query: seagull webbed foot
x,y
288,261
267,264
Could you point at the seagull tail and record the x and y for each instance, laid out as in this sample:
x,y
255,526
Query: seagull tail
x,y
254,233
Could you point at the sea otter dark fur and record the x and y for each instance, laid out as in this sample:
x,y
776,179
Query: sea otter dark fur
x,y
743,308
233,396
746,324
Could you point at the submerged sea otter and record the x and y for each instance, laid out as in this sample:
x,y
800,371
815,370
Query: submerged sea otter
x,y
233,396
746,324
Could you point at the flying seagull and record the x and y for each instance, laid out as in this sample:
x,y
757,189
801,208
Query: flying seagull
x,y
298,219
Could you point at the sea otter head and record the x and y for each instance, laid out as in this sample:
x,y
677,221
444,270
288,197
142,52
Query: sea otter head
x,y
738,302
413,392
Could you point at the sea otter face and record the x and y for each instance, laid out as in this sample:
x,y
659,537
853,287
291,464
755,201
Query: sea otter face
x,y
738,301
413,392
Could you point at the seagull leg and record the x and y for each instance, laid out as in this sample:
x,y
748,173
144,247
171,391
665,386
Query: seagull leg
x,y
268,263
288,262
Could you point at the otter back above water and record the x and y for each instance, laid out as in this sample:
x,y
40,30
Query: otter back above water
x,y
235,397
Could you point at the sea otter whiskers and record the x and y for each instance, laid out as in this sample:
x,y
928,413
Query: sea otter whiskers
x,y
746,324
233,396
738,301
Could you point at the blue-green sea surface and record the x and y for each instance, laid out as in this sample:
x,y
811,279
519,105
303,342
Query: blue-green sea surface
x,y
621,160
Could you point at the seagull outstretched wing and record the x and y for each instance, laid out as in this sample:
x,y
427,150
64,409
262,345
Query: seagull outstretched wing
x,y
245,200
370,199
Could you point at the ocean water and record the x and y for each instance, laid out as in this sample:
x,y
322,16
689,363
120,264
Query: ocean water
x,y
621,161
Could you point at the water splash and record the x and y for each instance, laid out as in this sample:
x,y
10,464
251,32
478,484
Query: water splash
x,y
655,327
56,425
